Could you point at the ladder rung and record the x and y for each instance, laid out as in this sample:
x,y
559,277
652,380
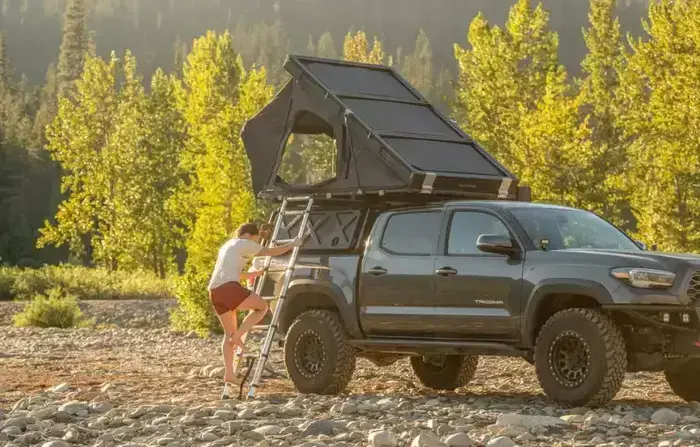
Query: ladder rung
x,y
269,298
298,199
294,212
283,241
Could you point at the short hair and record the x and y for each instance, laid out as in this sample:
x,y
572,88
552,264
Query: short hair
x,y
247,228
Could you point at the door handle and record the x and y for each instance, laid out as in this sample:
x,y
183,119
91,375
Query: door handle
x,y
377,271
446,271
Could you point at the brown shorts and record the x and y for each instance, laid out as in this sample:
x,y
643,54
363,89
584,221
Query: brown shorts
x,y
227,297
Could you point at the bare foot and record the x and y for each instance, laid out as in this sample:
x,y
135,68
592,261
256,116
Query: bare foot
x,y
229,379
237,342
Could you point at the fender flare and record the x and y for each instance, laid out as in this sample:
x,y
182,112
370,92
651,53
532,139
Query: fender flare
x,y
346,310
564,286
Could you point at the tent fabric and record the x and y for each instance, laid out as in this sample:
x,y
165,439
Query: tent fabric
x,y
388,137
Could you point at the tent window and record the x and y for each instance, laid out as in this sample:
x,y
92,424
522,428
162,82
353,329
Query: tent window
x,y
310,153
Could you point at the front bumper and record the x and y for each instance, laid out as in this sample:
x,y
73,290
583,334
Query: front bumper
x,y
658,337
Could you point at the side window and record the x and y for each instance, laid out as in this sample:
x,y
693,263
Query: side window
x,y
412,233
467,226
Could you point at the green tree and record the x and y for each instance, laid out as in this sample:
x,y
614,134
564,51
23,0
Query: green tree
x,y
77,140
142,160
553,149
503,77
659,92
602,67
74,46
356,49
216,98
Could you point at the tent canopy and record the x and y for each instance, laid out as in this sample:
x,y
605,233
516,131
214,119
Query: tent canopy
x,y
388,138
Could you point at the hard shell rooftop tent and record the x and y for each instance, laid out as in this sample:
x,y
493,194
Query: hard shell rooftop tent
x,y
390,141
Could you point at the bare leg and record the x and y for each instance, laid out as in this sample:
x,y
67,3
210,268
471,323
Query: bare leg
x,y
259,308
229,323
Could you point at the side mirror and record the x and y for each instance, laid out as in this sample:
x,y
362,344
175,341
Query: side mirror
x,y
641,244
495,243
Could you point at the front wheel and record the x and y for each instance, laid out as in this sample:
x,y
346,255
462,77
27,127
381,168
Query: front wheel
x,y
683,380
580,357
317,355
445,372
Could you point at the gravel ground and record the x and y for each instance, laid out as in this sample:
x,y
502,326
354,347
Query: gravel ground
x,y
128,385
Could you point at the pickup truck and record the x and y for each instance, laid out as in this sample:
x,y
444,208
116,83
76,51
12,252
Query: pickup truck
x,y
446,283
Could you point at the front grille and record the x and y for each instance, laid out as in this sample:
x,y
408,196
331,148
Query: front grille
x,y
694,286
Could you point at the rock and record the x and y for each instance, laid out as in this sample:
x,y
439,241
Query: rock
x,y
225,415
528,421
60,388
268,430
459,440
248,413
501,441
255,436
137,413
512,431
100,407
426,440
20,423
12,431
320,427
62,416
56,444
73,407
665,416
382,438
43,413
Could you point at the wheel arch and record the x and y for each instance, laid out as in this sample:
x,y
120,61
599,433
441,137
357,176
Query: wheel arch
x,y
554,296
308,294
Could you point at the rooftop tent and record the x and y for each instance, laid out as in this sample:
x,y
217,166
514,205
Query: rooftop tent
x,y
385,137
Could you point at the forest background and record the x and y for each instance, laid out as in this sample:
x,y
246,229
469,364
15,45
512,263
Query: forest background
x,y
120,150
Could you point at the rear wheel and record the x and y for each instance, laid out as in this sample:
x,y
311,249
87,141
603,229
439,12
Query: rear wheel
x,y
580,357
684,380
445,372
317,355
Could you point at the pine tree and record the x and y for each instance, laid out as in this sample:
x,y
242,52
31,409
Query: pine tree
x,y
356,49
48,106
326,47
659,91
74,46
216,98
503,77
599,97
418,68
4,65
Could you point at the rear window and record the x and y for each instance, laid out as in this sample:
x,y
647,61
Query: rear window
x,y
414,233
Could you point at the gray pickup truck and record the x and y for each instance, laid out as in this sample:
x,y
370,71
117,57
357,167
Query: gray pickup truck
x,y
560,287
425,246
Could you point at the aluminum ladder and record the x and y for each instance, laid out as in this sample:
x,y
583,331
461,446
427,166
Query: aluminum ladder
x,y
260,285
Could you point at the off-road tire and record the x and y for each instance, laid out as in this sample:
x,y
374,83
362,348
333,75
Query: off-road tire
x,y
604,355
456,372
337,357
684,380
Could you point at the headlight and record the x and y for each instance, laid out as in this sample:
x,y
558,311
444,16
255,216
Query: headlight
x,y
645,278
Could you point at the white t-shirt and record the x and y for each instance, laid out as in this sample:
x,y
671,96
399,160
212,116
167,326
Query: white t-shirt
x,y
233,256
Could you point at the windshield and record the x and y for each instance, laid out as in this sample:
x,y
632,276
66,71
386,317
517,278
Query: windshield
x,y
569,228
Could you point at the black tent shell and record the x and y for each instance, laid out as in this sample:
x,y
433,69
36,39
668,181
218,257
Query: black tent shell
x,y
390,140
